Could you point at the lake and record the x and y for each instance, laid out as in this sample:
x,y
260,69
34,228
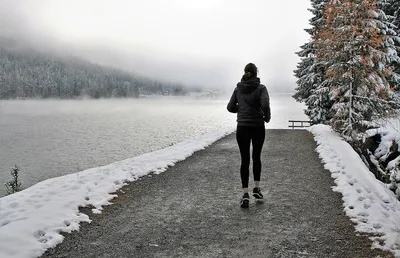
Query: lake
x,y
50,138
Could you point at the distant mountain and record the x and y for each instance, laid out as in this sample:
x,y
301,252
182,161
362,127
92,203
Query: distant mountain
x,y
26,72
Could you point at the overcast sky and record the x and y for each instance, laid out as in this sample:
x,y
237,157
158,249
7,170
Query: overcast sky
x,y
205,42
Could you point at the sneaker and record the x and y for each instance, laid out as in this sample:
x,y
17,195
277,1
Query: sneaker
x,y
244,203
257,193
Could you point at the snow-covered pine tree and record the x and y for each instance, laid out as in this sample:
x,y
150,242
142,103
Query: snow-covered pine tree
x,y
304,72
14,185
392,10
310,73
358,45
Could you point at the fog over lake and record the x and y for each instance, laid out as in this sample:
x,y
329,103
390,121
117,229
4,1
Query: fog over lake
x,y
198,42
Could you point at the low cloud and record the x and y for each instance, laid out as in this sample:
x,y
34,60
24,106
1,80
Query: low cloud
x,y
206,43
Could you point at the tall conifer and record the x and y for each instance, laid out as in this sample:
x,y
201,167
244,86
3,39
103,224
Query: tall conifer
x,y
357,45
310,72
392,11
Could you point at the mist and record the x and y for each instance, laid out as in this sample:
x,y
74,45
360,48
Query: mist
x,y
204,43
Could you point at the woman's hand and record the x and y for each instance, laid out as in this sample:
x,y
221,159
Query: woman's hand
x,y
267,118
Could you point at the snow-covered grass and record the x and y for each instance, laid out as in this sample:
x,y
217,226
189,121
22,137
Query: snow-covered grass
x,y
31,220
368,202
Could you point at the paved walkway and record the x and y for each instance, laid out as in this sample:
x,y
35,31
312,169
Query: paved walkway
x,y
192,210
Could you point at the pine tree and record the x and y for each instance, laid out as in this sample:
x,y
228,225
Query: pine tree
x,y
304,72
357,44
14,185
392,10
310,72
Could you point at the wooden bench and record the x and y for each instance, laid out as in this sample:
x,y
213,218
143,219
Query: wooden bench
x,y
295,124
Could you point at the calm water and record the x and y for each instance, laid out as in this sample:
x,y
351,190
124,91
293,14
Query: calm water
x,y
49,138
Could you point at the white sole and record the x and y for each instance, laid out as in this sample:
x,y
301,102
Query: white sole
x,y
262,198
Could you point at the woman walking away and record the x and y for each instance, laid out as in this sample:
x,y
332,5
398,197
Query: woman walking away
x,y
250,100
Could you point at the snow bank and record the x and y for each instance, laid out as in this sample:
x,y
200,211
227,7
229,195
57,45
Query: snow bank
x,y
31,220
367,201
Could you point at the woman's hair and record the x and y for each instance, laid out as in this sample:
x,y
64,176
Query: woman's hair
x,y
250,71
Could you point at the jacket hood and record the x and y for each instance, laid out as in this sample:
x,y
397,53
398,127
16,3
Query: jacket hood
x,y
247,86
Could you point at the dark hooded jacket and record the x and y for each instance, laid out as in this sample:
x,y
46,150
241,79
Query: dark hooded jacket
x,y
250,100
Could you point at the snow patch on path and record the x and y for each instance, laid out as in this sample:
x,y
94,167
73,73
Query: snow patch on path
x,y
367,201
31,220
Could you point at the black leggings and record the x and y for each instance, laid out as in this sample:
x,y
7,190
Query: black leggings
x,y
245,135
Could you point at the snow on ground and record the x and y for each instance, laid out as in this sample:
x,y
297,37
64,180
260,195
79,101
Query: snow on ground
x,y
31,220
367,201
389,132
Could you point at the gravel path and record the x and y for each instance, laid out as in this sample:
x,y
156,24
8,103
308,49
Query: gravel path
x,y
192,210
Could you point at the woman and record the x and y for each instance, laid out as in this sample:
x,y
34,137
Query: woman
x,y
250,100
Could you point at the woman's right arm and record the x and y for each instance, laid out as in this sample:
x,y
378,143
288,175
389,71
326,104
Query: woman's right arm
x,y
265,106
232,105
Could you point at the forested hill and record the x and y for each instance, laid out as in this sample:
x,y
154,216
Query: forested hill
x,y
27,73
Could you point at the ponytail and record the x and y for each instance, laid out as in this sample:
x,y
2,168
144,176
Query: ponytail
x,y
250,71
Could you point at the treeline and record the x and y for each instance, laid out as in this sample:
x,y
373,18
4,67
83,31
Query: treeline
x,y
348,75
26,73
